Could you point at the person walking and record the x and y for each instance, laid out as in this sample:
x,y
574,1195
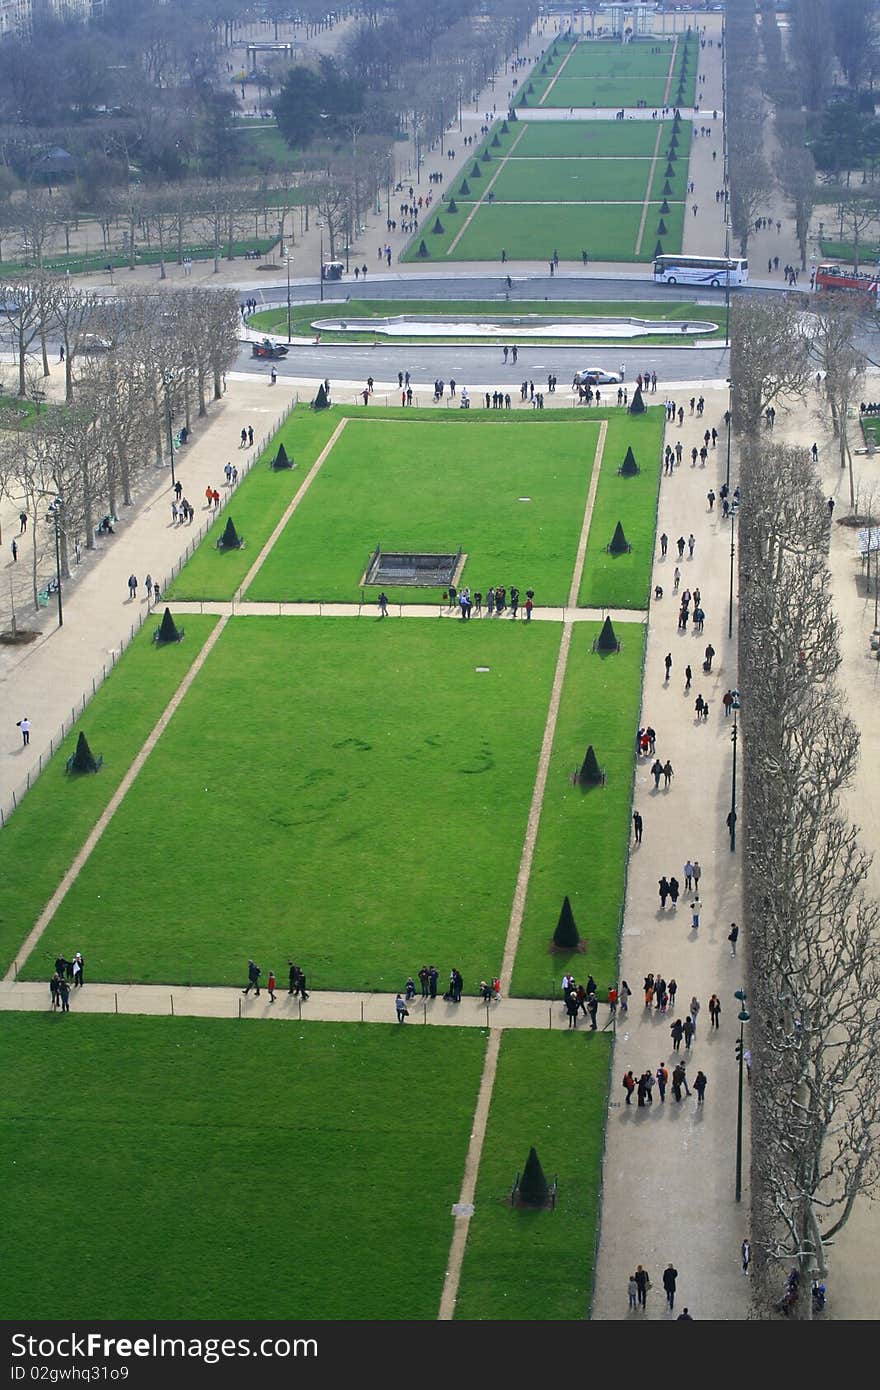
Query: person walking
x,y
688,877
745,1251
664,541
714,1009
132,587
657,773
292,977
667,662
670,1274
270,986
25,726
709,654
689,1031
643,1284
700,1085
637,827
663,886
624,994
662,1081
698,873
695,914
668,773
688,677
402,1010
571,1007
254,973
632,1289
78,970
733,937
14,548
677,1031
64,996
673,891
383,604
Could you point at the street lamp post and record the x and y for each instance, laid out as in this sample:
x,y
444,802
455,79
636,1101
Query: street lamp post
x,y
54,514
733,738
743,1017
734,508
727,285
170,431
321,267
289,258
728,418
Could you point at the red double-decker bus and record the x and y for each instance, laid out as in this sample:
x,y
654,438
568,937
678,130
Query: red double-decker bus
x,y
835,277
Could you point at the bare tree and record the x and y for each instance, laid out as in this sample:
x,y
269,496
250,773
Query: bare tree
x,y
796,173
837,320
856,216
769,356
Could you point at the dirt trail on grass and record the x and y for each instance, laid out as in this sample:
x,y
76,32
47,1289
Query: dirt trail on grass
x,y
113,805
671,72
650,185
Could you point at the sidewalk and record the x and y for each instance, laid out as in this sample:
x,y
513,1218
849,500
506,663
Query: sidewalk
x,y
669,1169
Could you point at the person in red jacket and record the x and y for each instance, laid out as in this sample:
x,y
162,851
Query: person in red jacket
x,y
629,1085
271,986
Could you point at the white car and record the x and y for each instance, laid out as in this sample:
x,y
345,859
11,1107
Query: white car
x,y
596,376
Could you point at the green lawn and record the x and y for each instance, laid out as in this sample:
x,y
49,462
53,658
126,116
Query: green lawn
x,y
437,485
538,1265
42,837
364,813
623,581
546,180
256,508
527,231
603,73
597,139
583,836
304,317
844,251
871,429
78,264
209,1169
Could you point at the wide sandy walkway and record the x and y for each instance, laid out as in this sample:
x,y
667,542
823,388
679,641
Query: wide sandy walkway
x,y
669,1169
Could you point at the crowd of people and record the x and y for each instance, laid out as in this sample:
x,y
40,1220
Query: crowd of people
x,y
68,974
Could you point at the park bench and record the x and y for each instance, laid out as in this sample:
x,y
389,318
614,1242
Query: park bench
x,y
52,587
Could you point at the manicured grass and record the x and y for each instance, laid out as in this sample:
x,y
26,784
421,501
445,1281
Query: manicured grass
x,y
437,485
597,139
256,507
844,251
611,74
572,180
211,1169
78,264
304,317
623,581
42,837
351,793
584,836
538,1265
606,231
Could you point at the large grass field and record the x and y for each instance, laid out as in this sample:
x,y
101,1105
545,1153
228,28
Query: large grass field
x,y
256,508
597,139
583,836
351,793
612,74
584,180
42,837
435,485
658,312
200,1168
538,1265
623,581
527,231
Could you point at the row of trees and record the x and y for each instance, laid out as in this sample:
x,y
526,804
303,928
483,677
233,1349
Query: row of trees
x,y
750,180
815,936
167,356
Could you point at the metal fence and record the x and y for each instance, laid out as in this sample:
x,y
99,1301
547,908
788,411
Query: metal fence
x,y
78,707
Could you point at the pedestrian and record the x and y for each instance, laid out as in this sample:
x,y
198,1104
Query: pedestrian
x,y
684,1315
53,993
623,995
733,937
156,582
632,1289
694,1010
637,827
657,772
727,702
292,977
689,1031
700,1083
670,1274
250,435
677,1032
672,990
664,541
132,587
148,585
667,662
673,891
383,604
662,1081
270,985
714,1010
688,876
78,970
676,579
64,995
643,1284
668,773
14,550
692,540
698,874
22,523
402,1010
244,436
681,545
612,1001
695,914
254,973
25,726
592,1009
745,1251
709,654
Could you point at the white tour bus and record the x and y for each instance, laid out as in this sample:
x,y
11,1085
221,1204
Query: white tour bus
x,y
701,270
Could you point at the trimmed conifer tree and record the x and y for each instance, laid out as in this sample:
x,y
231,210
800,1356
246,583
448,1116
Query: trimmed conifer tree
x,y
566,935
658,250
534,1190
495,140
322,400
438,229
607,639
84,759
664,206
465,189
230,539
629,468
423,250
590,774
667,190
452,206
637,405
281,460
167,629
619,543
505,128
476,172
661,228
